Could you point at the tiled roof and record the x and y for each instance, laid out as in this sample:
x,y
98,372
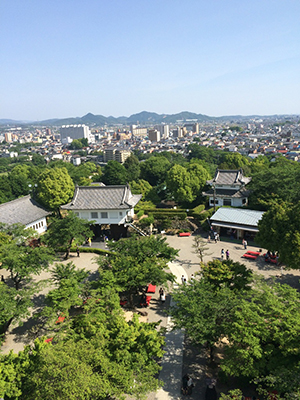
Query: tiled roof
x,y
102,198
229,177
238,193
23,210
237,216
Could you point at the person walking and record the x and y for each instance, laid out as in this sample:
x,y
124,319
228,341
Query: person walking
x,y
89,242
244,242
78,251
162,296
222,254
185,380
190,385
227,254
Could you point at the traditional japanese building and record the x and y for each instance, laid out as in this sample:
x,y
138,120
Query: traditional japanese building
x,y
25,211
105,205
228,188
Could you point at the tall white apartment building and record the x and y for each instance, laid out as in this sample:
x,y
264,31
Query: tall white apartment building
x,y
75,132
164,130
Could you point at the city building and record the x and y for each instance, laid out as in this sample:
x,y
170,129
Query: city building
x,y
116,154
154,135
75,132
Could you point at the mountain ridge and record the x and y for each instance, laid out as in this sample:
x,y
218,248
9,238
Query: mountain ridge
x,y
142,118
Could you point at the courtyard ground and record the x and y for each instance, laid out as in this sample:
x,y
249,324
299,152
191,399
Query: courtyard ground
x,y
180,357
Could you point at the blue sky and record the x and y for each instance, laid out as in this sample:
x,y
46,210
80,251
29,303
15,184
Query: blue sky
x,y
117,57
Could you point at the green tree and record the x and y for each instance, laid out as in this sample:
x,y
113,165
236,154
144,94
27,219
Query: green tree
x,y
132,166
179,184
70,287
277,182
264,335
19,179
14,306
5,189
200,247
204,312
38,160
141,187
154,170
55,187
279,230
136,262
234,275
63,232
102,356
22,260
114,174
185,184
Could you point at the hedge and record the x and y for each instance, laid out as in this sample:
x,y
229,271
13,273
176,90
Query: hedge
x,y
164,210
158,215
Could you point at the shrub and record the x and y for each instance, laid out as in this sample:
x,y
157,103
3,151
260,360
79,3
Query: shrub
x,y
140,213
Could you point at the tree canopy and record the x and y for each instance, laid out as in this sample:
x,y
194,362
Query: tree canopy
x,y
154,169
114,174
135,262
279,230
63,232
55,187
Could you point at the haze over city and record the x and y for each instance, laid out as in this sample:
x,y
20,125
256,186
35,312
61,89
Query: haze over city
x,y
65,59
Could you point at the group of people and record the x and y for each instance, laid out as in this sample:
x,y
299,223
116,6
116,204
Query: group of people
x,y
213,235
210,392
223,253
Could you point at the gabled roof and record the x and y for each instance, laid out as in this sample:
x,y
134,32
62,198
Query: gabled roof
x,y
229,177
237,216
102,198
24,210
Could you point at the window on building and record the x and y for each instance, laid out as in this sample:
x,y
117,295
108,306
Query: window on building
x,y
77,214
94,215
120,213
42,223
104,215
212,202
113,214
227,202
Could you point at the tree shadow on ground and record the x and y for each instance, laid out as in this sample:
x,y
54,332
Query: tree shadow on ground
x,y
194,364
187,263
288,279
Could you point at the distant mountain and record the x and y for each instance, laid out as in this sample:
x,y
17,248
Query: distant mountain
x,y
142,118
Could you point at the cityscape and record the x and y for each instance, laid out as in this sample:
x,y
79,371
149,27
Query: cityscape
x,y
251,137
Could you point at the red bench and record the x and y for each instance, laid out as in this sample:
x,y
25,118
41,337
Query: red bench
x,y
151,288
246,255
181,234
123,302
254,253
